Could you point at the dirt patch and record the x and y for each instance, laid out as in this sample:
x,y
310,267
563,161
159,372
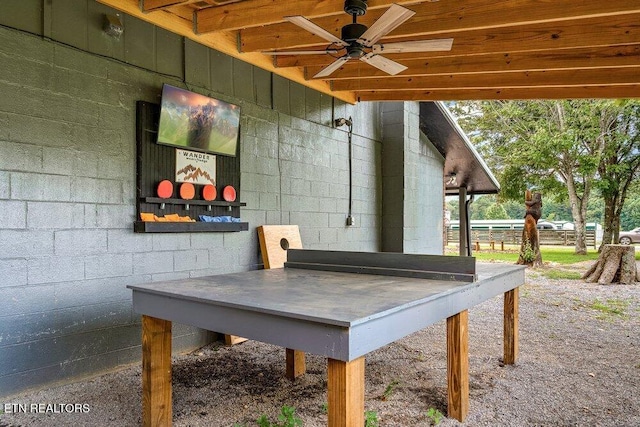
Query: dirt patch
x,y
579,365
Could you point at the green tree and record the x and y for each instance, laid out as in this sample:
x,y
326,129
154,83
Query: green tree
x,y
515,210
619,165
559,210
496,211
554,147
478,209
630,216
453,208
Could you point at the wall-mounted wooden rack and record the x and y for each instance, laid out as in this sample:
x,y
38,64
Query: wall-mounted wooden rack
x,y
188,227
156,162
192,202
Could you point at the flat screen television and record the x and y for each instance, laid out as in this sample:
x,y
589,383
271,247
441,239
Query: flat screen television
x,y
197,122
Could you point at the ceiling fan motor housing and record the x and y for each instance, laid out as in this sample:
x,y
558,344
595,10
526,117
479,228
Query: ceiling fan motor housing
x,y
355,7
352,32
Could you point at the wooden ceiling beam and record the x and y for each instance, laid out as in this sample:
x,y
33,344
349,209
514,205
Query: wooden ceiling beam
x,y
592,33
503,49
587,58
258,13
153,5
523,79
441,19
222,42
182,11
596,32
577,92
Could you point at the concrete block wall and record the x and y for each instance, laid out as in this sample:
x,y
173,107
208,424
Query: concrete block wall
x,y
424,186
67,252
67,183
393,173
413,190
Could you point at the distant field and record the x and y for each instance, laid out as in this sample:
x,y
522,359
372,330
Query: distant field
x,y
558,254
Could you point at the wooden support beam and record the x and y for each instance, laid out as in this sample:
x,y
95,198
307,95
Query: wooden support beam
x,y
575,59
259,13
498,34
458,365
511,302
151,5
296,364
430,16
520,79
585,92
156,372
345,393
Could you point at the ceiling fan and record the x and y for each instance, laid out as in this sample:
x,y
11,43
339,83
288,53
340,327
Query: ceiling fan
x,y
359,41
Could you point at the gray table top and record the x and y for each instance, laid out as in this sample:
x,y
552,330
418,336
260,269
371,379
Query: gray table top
x,y
331,298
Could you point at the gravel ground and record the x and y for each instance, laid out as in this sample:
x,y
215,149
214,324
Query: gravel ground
x,y
579,365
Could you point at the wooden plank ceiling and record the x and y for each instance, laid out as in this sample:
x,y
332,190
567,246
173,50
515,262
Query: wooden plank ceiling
x,y
502,49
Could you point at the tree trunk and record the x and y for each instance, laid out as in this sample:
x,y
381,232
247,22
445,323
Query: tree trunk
x,y
530,247
579,212
610,225
616,264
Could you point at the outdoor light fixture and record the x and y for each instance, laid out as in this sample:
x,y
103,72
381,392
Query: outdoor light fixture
x,y
451,179
113,25
342,121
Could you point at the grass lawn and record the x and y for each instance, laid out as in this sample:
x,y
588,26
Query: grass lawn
x,y
557,254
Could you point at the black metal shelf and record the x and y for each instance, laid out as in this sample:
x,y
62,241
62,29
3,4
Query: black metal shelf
x,y
191,202
188,227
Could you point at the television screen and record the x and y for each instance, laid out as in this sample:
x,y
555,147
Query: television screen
x,y
198,122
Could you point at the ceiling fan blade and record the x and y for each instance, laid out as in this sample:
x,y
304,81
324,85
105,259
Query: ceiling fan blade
x,y
434,45
332,67
303,22
299,52
384,64
389,21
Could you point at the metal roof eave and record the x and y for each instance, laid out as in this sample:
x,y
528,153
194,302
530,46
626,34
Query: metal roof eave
x,y
461,158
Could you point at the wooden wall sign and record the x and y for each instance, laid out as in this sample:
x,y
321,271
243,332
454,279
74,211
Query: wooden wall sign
x,y
157,163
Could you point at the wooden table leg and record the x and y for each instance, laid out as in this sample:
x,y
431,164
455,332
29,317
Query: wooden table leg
x,y
296,364
511,301
458,365
346,393
156,372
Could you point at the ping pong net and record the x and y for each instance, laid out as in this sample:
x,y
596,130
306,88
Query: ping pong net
x,y
436,267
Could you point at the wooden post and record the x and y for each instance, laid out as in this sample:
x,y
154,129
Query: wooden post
x,y
345,391
511,301
464,224
296,364
458,365
156,372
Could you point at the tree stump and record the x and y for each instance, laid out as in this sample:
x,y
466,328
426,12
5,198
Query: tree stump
x,y
616,264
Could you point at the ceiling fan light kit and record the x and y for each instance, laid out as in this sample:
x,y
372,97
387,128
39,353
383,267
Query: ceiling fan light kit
x,y
359,41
